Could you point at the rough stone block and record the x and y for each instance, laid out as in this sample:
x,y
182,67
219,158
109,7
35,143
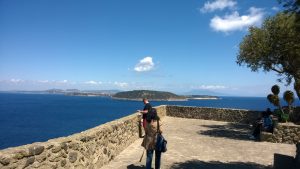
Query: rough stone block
x,y
73,156
86,138
64,146
63,162
54,166
41,158
4,160
74,146
55,157
49,146
35,150
287,138
29,161
105,150
21,154
265,136
56,149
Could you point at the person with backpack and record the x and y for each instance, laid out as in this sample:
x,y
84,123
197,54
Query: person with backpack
x,y
146,109
152,130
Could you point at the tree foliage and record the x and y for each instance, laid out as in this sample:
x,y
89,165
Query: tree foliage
x,y
274,47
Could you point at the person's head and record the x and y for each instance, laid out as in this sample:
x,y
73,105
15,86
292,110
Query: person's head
x,y
152,116
145,100
268,111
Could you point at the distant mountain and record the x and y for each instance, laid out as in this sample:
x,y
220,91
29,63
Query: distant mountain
x,y
72,90
149,94
55,91
69,92
102,91
201,97
75,92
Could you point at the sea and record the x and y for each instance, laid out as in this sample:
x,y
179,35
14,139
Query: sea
x,y
28,118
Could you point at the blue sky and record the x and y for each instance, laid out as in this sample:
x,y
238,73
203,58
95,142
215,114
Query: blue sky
x,y
172,45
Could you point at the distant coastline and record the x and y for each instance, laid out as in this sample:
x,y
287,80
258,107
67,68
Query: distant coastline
x,y
204,98
69,92
136,95
140,99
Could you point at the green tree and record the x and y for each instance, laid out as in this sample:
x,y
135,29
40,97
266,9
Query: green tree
x,y
274,47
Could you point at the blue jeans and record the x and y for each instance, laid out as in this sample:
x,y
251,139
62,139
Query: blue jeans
x,y
149,159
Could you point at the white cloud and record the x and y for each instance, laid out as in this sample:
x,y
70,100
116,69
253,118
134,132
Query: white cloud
x,y
43,81
16,80
121,84
210,87
63,81
144,65
235,22
92,82
218,5
52,82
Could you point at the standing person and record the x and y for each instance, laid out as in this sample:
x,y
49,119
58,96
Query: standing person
x,y
146,109
152,128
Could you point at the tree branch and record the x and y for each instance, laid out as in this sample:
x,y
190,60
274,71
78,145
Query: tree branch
x,y
276,70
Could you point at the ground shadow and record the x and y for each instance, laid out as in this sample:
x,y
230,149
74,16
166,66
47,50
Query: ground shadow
x,y
132,166
197,164
230,130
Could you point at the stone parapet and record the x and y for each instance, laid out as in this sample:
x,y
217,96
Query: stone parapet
x,y
283,133
217,114
89,149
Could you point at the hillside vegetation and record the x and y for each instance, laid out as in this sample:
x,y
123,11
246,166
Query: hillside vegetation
x,y
149,94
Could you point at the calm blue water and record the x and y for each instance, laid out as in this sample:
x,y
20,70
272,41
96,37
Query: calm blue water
x,y
27,118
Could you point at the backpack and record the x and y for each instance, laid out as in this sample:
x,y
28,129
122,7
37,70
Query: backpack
x,y
161,142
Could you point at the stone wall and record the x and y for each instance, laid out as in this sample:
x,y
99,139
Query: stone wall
x,y
283,133
218,114
89,149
